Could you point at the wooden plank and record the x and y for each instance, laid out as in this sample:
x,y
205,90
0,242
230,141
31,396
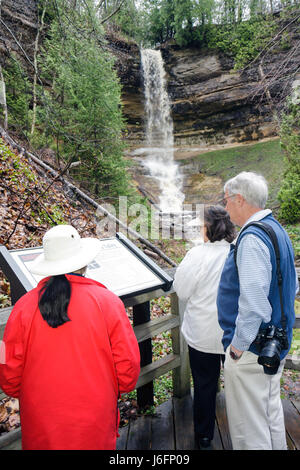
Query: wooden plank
x,y
141,315
139,299
158,368
222,421
292,362
13,445
11,440
182,375
122,440
292,422
297,322
289,442
217,443
296,404
139,435
184,426
4,314
157,432
163,427
154,327
6,309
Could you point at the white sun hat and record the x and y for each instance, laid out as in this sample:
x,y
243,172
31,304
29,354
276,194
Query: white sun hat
x,y
64,251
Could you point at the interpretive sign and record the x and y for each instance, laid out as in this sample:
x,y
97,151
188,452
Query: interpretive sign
x,y
120,266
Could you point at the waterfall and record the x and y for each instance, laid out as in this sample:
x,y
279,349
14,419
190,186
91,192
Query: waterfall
x,y
159,133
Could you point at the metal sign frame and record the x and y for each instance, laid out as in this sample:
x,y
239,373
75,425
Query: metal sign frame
x,y
20,283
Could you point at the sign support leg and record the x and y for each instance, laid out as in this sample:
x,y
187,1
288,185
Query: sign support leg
x,y
141,314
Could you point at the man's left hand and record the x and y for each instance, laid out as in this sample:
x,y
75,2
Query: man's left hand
x,y
235,353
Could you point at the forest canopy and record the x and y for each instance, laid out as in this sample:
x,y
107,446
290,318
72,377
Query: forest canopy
x,y
73,103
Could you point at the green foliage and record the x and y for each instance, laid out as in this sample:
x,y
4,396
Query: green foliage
x,y
289,194
290,133
163,388
243,41
129,20
157,19
294,234
4,301
15,170
285,41
265,158
184,20
240,28
82,110
289,197
18,94
79,112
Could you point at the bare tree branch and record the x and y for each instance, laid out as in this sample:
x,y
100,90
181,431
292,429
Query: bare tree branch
x,y
100,4
114,12
276,76
36,49
36,200
3,91
271,43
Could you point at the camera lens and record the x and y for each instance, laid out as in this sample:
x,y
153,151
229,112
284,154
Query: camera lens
x,y
270,356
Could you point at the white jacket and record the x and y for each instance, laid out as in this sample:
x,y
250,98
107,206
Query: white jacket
x,y
196,282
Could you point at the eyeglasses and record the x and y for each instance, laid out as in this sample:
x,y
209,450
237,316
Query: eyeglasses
x,y
223,201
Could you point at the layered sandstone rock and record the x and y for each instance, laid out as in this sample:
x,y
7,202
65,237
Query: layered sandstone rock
x,y
211,103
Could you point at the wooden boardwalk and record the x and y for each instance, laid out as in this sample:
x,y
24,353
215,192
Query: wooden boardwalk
x,y
172,427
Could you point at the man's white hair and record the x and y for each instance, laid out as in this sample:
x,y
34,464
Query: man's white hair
x,y
252,186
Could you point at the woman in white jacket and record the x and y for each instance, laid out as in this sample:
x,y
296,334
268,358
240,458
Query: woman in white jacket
x,y
196,282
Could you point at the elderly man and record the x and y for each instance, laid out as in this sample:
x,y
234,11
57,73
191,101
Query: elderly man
x,y
248,302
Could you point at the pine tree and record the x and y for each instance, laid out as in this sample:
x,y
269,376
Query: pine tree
x,y
82,109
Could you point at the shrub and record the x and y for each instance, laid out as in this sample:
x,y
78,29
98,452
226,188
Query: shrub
x,y
289,194
289,198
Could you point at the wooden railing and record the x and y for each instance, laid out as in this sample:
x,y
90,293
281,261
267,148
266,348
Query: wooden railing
x,y
145,329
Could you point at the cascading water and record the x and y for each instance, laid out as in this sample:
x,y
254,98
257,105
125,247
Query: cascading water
x,y
159,133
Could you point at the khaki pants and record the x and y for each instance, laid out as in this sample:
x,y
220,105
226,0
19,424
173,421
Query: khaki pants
x,y
253,404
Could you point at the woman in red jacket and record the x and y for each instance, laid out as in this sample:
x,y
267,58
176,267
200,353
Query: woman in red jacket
x,y
70,351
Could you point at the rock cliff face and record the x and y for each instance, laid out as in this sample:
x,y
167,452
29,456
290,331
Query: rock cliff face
x,y
128,67
212,105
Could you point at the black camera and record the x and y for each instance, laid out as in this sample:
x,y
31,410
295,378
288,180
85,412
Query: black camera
x,y
270,342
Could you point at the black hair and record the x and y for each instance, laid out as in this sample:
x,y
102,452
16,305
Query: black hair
x,y
54,300
218,224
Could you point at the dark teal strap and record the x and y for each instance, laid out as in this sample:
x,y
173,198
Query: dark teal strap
x,y
270,232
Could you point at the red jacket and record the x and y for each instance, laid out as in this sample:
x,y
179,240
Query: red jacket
x,y
68,378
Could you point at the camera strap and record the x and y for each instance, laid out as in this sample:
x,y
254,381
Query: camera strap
x,y
270,232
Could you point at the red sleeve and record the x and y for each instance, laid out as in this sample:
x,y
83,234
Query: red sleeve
x,y
11,365
124,346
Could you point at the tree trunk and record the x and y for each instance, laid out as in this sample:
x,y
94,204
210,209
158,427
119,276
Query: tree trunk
x,y
3,99
36,49
3,91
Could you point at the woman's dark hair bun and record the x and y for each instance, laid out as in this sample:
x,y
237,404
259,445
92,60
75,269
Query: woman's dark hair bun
x,y
218,224
54,298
